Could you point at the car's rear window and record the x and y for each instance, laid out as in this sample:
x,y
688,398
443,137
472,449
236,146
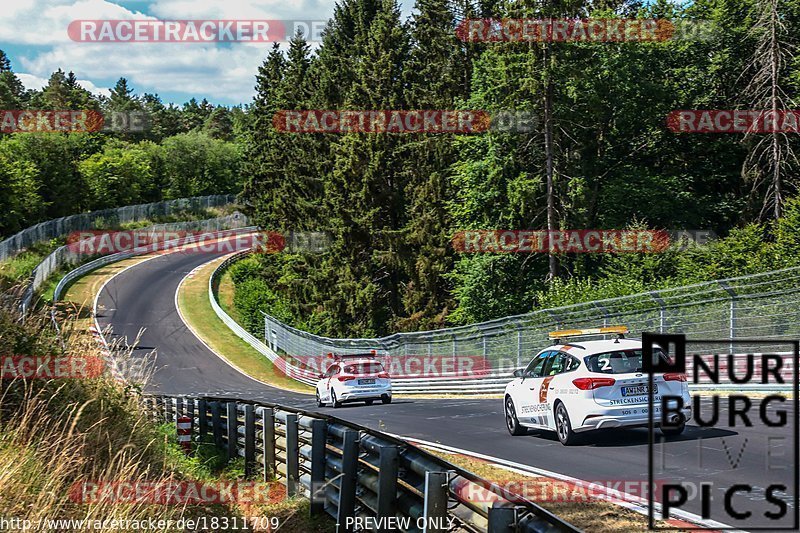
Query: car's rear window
x,y
364,368
617,362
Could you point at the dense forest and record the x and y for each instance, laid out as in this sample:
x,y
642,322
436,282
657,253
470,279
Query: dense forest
x,y
182,151
600,156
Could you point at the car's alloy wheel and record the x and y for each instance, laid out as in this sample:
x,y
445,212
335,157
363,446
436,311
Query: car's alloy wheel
x,y
386,399
334,401
512,424
319,400
563,426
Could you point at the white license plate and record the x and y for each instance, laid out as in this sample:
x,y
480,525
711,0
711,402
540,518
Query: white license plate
x,y
366,382
639,390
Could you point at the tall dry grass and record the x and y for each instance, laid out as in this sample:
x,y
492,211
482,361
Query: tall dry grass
x,y
56,434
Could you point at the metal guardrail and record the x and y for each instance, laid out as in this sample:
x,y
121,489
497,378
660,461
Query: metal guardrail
x,y
350,471
303,376
758,306
59,227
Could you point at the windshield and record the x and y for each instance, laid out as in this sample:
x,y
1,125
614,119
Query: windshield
x,y
617,362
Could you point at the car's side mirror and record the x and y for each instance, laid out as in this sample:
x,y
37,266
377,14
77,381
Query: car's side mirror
x,y
321,376
518,373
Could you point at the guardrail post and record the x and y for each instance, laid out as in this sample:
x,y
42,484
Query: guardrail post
x,y
230,426
178,407
190,410
347,486
605,312
319,439
268,442
216,424
202,421
435,509
502,518
292,455
662,311
387,483
249,439
168,409
732,316
519,344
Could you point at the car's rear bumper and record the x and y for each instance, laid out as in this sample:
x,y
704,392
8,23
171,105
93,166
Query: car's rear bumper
x,y
371,393
636,415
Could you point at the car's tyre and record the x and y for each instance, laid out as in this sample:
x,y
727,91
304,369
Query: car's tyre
x,y
319,400
336,403
673,431
368,402
386,399
566,436
512,424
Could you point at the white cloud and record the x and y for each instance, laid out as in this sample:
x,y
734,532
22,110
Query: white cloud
x,y
94,89
30,81
220,72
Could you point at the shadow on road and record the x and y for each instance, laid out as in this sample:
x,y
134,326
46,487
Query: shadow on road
x,y
616,438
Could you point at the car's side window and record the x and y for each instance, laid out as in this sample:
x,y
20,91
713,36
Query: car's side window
x,y
571,363
534,369
556,364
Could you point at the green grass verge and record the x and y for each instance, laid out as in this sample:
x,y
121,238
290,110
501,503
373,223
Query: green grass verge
x,y
196,310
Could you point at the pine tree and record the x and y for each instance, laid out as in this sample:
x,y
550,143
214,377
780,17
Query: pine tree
x,y
122,98
5,62
366,189
12,92
435,78
260,166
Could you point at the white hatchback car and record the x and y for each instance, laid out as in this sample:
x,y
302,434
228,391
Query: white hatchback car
x,y
575,387
354,378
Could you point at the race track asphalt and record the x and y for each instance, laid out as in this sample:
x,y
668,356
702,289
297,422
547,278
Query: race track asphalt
x,y
143,298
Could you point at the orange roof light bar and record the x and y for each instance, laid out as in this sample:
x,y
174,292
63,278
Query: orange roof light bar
x,y
608,330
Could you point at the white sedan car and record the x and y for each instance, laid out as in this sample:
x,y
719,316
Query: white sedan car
x,y
354,378
572,388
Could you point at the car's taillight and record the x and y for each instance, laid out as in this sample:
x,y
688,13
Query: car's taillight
x,y
345,377
384,375
673,376
593,383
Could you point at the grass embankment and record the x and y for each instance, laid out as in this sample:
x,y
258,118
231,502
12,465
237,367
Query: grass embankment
x,y
57,435
576,507
198,314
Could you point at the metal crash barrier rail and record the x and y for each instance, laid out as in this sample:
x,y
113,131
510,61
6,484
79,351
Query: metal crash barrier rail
x,y
349,471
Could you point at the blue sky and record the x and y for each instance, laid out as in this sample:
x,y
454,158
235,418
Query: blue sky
x,y
34,35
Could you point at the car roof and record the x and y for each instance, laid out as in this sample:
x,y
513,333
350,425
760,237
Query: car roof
x,y
582,348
